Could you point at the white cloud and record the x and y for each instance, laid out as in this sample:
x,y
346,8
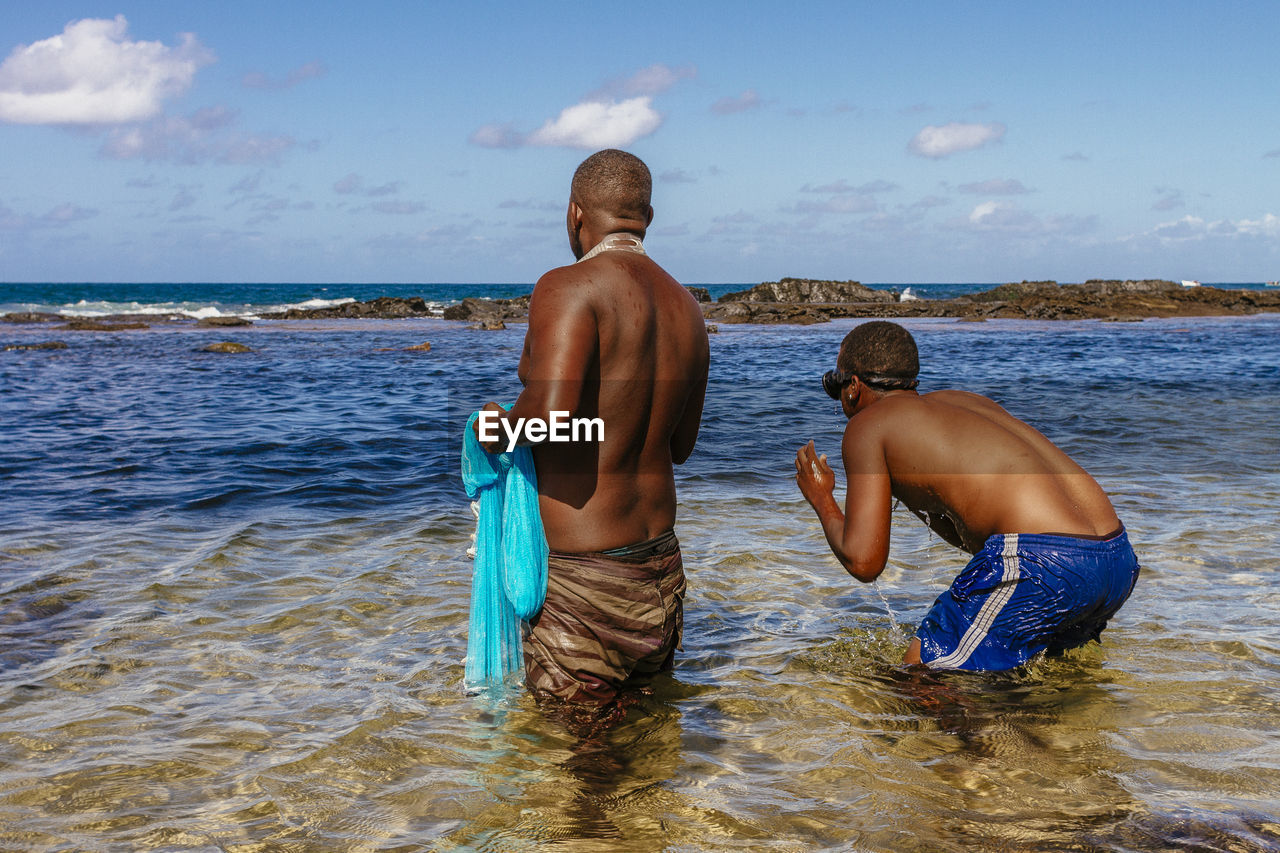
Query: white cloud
x,y
1194,228
593,124
92,74
615,115
935,142
748,100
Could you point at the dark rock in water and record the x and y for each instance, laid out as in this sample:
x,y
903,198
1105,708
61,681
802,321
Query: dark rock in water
x,y
765,313
382,308
224,321
699,293
713,329
226,346
31,317
792,290
42,345
99,326
492,324
473,309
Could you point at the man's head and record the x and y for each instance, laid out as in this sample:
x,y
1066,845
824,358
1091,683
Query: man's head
x,y
610,192
882,356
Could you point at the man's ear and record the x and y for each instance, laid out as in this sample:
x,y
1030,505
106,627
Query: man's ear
x,y
648,218
575,215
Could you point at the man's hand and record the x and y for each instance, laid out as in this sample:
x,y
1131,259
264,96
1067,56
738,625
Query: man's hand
x,y
495,446
814,476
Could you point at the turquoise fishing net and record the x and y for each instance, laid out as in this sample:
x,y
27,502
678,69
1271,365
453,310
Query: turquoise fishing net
x,y
509,580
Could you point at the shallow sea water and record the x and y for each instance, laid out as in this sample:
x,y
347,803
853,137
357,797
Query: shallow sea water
x,y
233,598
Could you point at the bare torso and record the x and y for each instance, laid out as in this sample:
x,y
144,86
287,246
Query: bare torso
x,y
637,340
971,470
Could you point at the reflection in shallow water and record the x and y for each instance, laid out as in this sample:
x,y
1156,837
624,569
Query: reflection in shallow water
x,y
232,614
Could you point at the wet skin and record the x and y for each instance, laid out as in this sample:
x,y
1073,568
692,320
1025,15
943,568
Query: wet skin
x,y
613,337
957,460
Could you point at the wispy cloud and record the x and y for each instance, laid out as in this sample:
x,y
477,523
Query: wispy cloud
x,y
653,80
843,186
995,186
1009,219
1193,228
92,73
1170,199
935,141
1272,154
206,135
836,204
59,216
677,176
615,115
309,71
353,184
728,105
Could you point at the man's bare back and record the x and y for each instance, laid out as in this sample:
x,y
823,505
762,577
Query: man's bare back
x,y
633,339
972,470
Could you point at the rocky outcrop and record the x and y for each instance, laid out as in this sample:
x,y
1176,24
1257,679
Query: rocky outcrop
x,y
382,308
31,317
812,291
1099,299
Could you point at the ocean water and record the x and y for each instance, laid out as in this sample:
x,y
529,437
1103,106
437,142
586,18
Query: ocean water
x,y
233,597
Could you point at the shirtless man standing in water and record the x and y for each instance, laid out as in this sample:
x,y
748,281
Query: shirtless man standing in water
x,y
614,337
1052,562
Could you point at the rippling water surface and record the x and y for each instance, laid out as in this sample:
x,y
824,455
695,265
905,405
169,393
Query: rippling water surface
x,y
233,600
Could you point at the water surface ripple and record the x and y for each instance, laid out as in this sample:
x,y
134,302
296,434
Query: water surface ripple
x,y
233,610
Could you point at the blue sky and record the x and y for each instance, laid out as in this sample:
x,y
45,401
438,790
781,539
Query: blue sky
x,y
434,142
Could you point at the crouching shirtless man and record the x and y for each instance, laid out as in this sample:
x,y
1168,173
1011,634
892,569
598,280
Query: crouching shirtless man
x,y
1051,560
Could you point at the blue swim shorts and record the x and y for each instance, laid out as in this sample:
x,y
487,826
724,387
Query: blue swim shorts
x,y
1023,594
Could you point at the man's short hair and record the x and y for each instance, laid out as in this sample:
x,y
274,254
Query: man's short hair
x,y
879,350
614,182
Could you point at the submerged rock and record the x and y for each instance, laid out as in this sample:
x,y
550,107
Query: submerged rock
x,y
492,324
226,346
99,326
224,321
41,345
425,346
31,317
